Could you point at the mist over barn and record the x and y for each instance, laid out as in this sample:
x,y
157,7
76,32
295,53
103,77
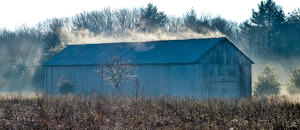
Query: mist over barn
x,y
211,67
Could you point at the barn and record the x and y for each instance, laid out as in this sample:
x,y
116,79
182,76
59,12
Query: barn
x,y
211,67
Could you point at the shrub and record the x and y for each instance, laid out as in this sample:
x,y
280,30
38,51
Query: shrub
x,y
267,81
66,86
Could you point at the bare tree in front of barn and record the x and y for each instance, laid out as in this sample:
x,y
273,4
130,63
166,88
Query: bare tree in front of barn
x,y
116,71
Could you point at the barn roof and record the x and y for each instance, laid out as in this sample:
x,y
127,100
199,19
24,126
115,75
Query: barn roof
x,y
154,52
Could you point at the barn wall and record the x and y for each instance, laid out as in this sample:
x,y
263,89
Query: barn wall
x,y
246,80
222,67
171,80
48,79
223,75
225,65
85,78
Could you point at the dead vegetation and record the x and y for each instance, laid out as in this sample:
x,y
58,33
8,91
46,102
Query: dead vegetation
x,y
121,112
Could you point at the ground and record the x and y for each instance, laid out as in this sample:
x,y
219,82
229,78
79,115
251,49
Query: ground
x,y
121,112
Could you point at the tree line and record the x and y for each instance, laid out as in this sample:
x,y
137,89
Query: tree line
x,y
269,33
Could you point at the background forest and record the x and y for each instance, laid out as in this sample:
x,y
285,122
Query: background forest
x,y
269,35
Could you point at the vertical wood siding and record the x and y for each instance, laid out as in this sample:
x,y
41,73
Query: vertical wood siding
x,y
223,64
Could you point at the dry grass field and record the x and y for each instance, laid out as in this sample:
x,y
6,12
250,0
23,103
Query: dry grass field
x,y
121,112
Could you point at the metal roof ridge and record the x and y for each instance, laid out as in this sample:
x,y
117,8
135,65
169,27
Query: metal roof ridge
x,y
145,41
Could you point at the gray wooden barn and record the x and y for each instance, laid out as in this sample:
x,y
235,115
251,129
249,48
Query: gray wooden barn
x,y
212,67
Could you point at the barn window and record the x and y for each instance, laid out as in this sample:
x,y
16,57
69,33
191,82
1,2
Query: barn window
x,y
205,71
221,58
221,70
228,57
236,58
208,70
212,70
231,70
212,57
215,57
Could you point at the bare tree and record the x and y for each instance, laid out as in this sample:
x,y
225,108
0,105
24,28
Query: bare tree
x,y
125,19
93,21
20,52
174,24
116,71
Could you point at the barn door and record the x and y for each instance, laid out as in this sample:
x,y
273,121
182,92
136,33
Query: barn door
x,y
224,89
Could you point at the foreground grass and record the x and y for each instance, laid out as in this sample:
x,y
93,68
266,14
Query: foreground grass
x,y
119,112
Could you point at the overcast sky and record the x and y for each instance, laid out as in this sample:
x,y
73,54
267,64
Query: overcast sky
x,y
13,13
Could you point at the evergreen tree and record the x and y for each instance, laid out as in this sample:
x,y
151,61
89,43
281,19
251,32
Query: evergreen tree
x,y
265,26
190,19
292,34
151,19
294,84
267,81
